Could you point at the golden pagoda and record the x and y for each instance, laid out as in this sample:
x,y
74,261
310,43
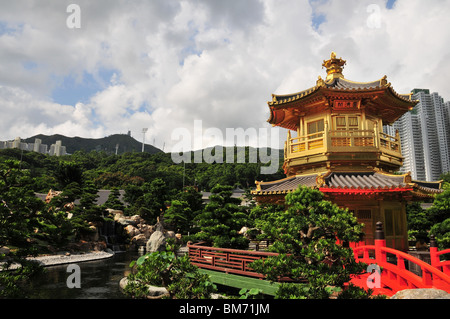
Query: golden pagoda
x,y
335,143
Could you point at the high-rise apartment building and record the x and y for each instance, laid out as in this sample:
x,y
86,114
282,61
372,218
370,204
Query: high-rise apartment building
x,y
425,136
55,149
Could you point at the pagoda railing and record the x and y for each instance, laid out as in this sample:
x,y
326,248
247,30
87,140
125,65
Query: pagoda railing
x,y
342,141
352,138
390,144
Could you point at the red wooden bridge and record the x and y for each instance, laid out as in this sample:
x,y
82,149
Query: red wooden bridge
x,y
393,275
387,267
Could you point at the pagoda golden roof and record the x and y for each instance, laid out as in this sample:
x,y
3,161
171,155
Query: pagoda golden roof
x,y
383,99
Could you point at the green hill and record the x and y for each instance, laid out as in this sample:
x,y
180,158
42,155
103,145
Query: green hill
x,y
107,144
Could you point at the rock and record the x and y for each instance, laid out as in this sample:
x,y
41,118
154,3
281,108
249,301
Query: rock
x,y
99,246
132,231
139,240
117,214
243,230
93,235
153,291
156,291
423,293
4,250
137,219
51,193
123,283
157,242
170,234
145,229
125,221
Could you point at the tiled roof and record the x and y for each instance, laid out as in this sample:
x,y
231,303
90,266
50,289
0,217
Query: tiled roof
x,y
429,187
337,84
372,180
342,83
352,181
286,185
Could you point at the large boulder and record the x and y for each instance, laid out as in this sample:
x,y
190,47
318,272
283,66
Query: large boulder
x,y
423,293
157,242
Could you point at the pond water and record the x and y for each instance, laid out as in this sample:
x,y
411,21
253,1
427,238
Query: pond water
x,y
99,279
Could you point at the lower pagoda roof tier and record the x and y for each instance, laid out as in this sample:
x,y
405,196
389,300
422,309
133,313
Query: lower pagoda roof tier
x,y
361,183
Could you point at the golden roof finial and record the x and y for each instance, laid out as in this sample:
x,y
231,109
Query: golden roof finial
x,y
320,82
334,66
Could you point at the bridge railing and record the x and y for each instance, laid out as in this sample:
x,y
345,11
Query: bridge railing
x,y
392,262
395,275
435,256
226,260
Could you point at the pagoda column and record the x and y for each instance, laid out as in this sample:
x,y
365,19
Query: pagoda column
x,y
300,128
363,120
376,137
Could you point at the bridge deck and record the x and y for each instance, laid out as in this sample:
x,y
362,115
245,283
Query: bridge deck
x,y
237,281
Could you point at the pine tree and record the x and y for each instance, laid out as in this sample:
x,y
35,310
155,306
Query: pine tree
x,y
304,235
222,219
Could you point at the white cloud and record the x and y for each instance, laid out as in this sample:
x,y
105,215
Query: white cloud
x,y
173,62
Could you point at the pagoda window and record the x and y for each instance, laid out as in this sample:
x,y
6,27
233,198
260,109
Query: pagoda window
x,y
316,127
346,123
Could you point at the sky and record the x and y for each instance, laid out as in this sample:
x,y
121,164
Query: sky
x,y
111,66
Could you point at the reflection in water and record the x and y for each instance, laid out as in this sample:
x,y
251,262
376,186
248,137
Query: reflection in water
x,y
99,279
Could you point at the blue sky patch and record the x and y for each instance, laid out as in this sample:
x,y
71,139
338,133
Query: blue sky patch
x,y
72,89
6,28
390,4
317,18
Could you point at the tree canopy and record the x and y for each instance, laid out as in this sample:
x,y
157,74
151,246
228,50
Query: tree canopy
x,y
304,234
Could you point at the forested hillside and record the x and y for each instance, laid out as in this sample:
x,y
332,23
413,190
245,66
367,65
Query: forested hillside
x,y
108,171
108,144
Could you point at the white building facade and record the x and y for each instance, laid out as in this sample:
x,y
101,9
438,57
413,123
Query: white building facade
x,y
425,137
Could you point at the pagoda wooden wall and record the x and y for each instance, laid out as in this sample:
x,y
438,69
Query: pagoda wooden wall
x,y
391,213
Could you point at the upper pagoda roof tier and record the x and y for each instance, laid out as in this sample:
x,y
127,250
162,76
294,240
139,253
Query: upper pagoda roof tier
x,y
340,85
377,96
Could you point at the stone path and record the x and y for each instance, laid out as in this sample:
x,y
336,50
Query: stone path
x,y
54,260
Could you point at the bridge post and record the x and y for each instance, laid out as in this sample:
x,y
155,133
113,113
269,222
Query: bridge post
x,y
380,241
435,260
